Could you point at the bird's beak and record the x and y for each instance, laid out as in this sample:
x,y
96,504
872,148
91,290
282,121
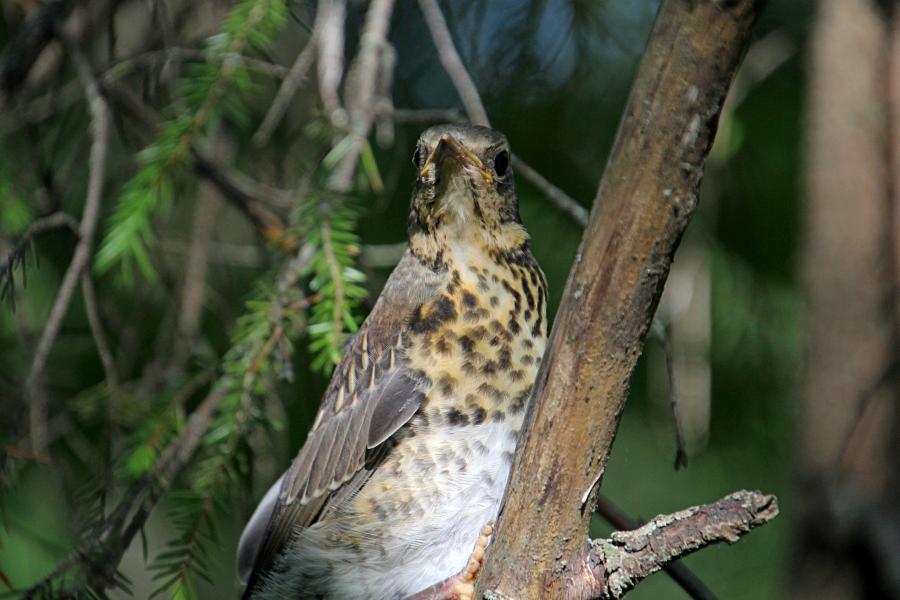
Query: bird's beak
x,y
450,147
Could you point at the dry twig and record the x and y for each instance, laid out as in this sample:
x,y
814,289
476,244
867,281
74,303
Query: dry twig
x,y
565,202
57,220
45,106
292,82
87,227
468,93
361,90
611,567
452,62
91,308
329,37
100,556
193,291
679,573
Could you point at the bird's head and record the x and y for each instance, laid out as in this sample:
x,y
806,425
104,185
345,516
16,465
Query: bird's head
x,y
464,187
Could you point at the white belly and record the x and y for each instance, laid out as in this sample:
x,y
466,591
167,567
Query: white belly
x,y
407,553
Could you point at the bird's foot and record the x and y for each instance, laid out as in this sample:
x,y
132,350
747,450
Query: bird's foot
x,y
462,585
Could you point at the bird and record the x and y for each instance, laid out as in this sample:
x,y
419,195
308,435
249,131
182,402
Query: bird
x,y
395,490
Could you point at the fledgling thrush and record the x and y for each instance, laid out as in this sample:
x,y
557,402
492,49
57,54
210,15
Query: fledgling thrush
x,y
410,452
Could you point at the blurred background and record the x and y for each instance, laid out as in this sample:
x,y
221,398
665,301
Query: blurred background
x,y
255,188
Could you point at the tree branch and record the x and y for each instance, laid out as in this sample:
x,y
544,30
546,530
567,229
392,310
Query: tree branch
x,y
45,106
644,203
610,567
16,256
100,127
453,64
329,37
468,93
295,78
91,308
361,89
99,556
679,573
32,37
561,199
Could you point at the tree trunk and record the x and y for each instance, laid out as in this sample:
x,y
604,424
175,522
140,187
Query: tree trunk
x,y
645,200
847,463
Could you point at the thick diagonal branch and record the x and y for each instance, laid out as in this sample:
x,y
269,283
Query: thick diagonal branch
x,y
644,203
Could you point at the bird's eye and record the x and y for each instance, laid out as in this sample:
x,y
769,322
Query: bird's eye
x,y
501,163
417,157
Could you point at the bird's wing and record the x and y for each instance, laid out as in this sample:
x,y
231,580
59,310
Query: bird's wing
x,y
372,394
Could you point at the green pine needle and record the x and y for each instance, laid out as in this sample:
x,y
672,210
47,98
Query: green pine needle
x,y
250,24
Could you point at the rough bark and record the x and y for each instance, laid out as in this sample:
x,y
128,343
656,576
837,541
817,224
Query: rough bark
x,y
645,200
847,540
609,568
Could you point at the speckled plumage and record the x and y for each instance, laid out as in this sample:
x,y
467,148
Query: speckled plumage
x,y
412,447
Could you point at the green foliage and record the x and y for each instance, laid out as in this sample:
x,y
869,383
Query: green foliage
x,y
261,351
193,518
251,24
15,213
328,224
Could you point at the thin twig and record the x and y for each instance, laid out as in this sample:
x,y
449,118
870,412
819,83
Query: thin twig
x,y
23,50
659,333
562,200
87,227
103,349
99,556
43,107
329,35
295,78
361,90
193,291
471,100
53,221
244,192
453,64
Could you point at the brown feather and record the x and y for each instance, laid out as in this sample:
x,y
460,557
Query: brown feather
x,y
371,395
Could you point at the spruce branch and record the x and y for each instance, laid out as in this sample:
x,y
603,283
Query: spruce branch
x,y
15,259
209,439
252,23
328,224
43,107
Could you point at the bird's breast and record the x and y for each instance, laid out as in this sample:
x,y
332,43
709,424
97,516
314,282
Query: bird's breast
x,y
480,343
476,347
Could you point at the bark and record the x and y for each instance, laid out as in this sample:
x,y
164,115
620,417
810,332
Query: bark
x,y
609,568
645,200
848,527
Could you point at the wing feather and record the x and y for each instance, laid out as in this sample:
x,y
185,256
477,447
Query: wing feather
x,y
372,394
